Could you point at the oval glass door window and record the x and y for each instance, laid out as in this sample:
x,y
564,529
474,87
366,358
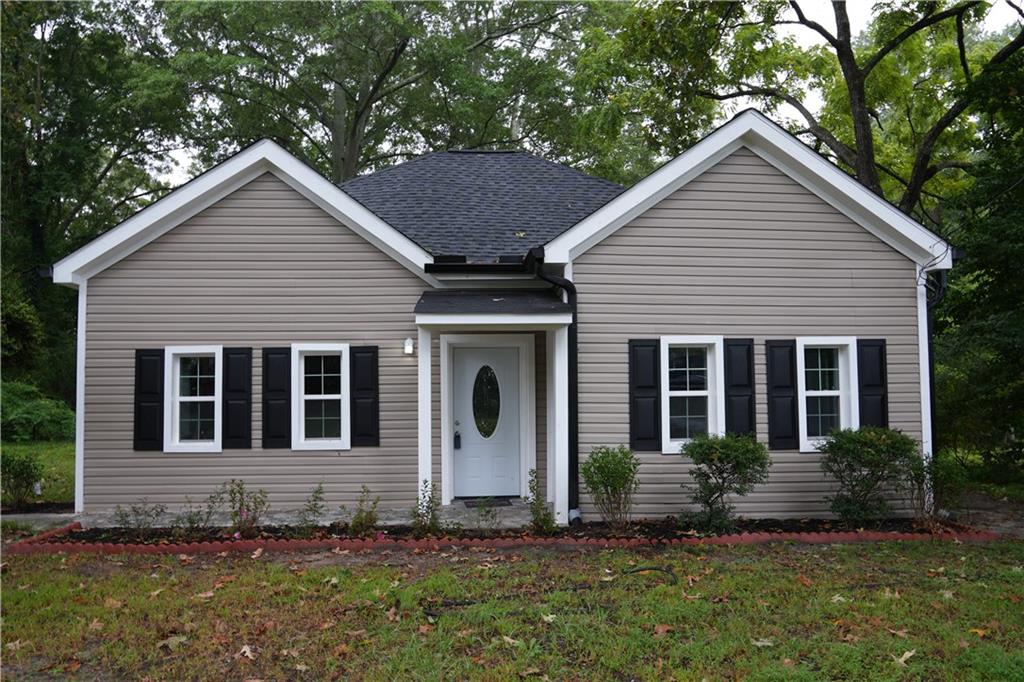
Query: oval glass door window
x,y
486,401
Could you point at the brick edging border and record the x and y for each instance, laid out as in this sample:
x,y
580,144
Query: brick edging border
x,y
36,544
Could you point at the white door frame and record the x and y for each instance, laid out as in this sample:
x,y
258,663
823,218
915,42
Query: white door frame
x,y
527,403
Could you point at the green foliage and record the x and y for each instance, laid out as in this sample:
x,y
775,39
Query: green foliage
x,y
28,415
245,506
609,474
313,510
948,479
19,472
21,330
724,465
139,517
542,519
868,465
487,516
426,515
194,520
364,519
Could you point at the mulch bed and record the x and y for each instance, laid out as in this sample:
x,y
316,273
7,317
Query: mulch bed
x,y
73,538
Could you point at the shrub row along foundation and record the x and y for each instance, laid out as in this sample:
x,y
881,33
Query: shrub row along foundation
x,y
45,543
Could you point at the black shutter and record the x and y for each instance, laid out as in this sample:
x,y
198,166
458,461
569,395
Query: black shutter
x,y
782,395
871,383
149,399
364,393
277,398
739,386
644,395
237,387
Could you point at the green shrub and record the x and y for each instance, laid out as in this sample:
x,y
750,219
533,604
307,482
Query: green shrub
x,y
867,466
27,415
19,472
196,520
1004,464
313,511
723,466
364,520
426,515
246,507
610,476
139,517
948,479
542,520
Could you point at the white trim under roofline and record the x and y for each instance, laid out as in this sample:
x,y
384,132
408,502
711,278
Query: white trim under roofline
x,y
537,322
186,201
787,153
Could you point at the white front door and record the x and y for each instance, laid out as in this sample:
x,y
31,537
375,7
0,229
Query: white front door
x,y
485,421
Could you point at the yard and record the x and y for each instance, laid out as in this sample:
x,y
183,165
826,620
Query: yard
x,y
933,610
58,460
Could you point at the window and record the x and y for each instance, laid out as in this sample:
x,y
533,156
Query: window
x,y
827,369
692,391
192,403
320,401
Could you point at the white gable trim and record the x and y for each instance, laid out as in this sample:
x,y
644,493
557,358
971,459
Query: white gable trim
x,y
203,191
753,130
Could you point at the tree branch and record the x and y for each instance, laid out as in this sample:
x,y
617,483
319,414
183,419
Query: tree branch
x,y
922,23
961,48
813,25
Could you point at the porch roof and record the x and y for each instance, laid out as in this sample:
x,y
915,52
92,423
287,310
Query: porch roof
x,y
509,307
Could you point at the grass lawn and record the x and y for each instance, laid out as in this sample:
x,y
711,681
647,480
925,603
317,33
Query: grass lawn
x,y
892,611
58,460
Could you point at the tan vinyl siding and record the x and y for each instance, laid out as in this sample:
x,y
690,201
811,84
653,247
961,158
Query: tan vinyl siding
x,y
741,251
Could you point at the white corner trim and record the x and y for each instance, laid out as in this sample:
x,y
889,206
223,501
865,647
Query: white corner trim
x,y
299,441
204,190
925,370
561,426
716,412
849,394
752,129
527,404
424,409
80,402
171,442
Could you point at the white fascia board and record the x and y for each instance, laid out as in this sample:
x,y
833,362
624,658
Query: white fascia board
x,y
493,320
784,151
203,191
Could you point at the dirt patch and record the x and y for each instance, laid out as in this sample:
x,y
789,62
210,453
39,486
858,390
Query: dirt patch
x,y
1000,516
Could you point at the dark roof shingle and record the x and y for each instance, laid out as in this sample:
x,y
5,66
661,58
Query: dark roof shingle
x,y
481,205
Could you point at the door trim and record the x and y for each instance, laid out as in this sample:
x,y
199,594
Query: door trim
x,y
527,403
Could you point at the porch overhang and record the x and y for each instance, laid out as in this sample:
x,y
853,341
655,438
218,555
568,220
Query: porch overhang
x,y
481,309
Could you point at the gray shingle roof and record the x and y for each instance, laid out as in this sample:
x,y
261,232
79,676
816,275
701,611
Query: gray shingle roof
x,y
481,204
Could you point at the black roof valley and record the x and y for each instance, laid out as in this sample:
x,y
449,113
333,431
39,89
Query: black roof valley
x,y
481,205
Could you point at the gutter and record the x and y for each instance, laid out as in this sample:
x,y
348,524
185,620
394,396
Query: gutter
x,y
535,260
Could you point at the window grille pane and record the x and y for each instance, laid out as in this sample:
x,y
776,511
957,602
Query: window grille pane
x,y
688,416
822,415
322,419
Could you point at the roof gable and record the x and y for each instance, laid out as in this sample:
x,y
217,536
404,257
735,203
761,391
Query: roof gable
x,y
785,152
481,205
206,189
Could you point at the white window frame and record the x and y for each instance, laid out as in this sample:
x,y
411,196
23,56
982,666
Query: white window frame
x,y
299,440
715,391
173,399
849,408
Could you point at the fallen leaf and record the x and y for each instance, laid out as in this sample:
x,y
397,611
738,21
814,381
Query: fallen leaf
x,y
804,580
355,633
788,662
301,667
762,642
902,634
204,595
424,629
1014,599
891,594
978,631
172,643
72,665
661,630
246,652
720,599
851,638
511,642
902,660
392,614
947,594
839,599
15,645
529,672
341,650
112,603
185,559
327,625
96,624
462,634
330,582
223,580
156,592
258,553
549,618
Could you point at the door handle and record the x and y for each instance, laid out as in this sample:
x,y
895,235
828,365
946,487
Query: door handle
x,y
458,440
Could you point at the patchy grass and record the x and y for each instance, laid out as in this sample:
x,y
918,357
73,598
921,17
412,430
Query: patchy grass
x,y
768,612
14,530
58,460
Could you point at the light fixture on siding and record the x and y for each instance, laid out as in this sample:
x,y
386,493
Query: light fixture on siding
x,y
409,347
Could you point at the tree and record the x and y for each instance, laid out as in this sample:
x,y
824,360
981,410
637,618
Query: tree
x,y
88,114
913,76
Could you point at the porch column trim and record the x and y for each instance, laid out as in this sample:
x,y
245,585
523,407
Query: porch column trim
x,y
551,417
561,424
424,404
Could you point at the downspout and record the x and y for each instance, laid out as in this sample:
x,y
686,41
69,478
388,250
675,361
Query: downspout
x,y
935,297
535,258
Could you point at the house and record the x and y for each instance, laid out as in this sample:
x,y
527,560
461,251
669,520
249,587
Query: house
x,y
467,317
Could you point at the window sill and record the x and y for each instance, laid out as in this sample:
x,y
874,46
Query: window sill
x,y
193,447
314,445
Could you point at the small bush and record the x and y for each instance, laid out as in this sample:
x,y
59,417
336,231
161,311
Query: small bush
x,y
313,511
139,517
867,465
196,520
246,507
724,465
610,476
542,520
1004,465
487,516
426,515
364,520
19,473
949,479
27,415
